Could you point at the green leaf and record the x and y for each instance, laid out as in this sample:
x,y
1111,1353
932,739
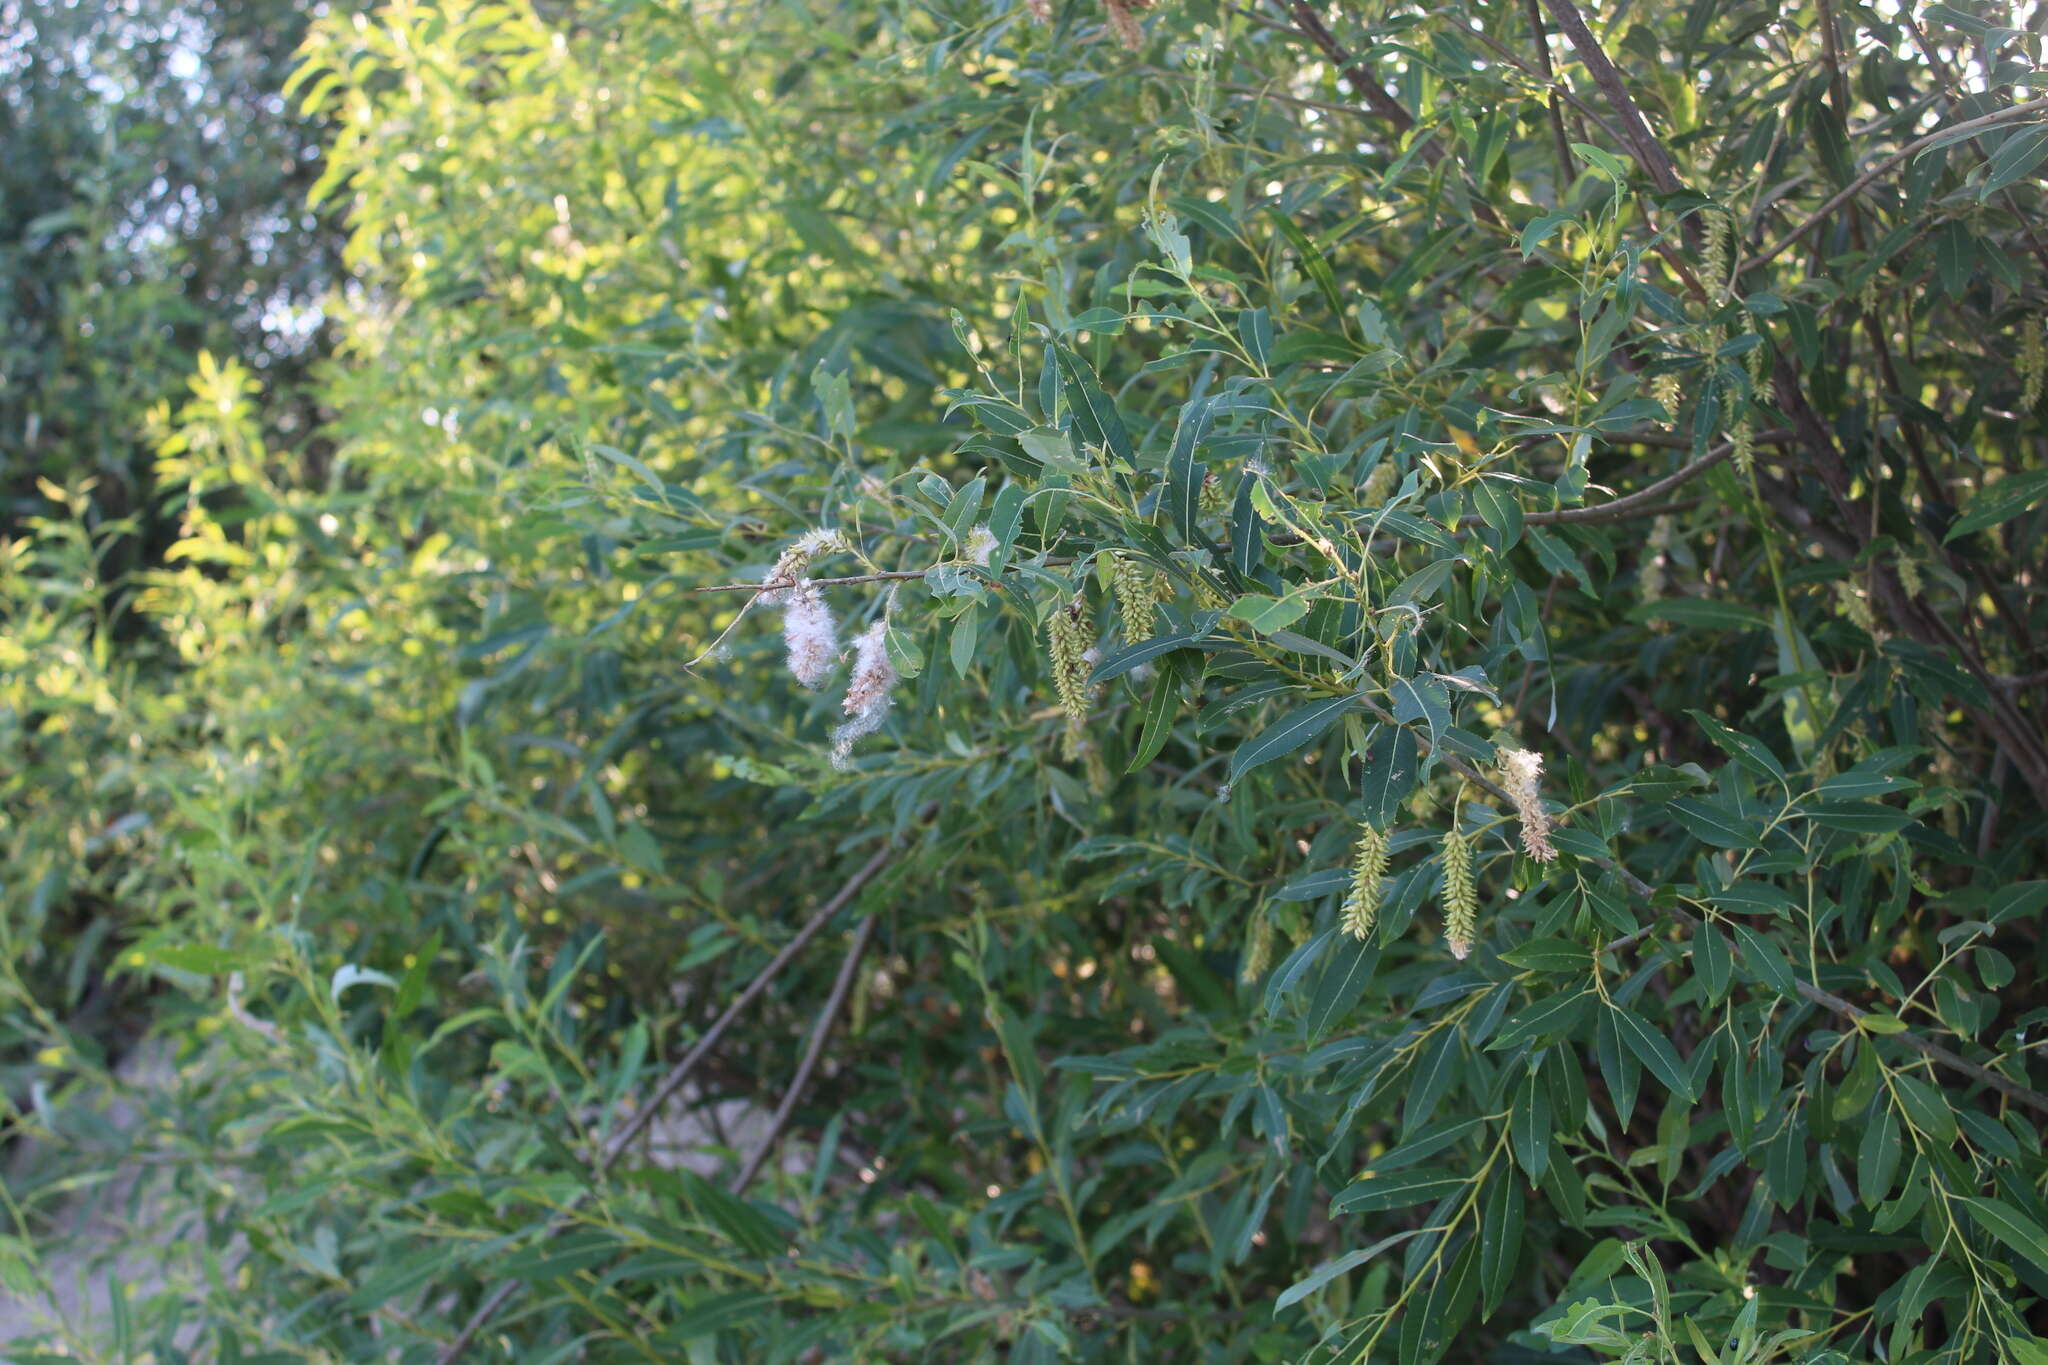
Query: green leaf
x,y
1500,1239
1330,1270
1095,417
1857,817
1549,1016
1747,750
1925,1107
1608,164
1387,773
2002,501
2010,1226
1290,732
1877,1158
1162,705
1377,1194
1550,955
1145,651
1713,959
1266,615
2022,152
1423,699
1184,473
1703,613
1654,1050
1711,824
1765,962
1347,971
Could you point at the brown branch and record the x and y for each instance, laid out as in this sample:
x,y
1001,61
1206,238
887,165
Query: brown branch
x,y
1311,26
1648,152
841,986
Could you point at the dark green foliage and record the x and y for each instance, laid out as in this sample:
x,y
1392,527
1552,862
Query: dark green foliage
x,y
1535,462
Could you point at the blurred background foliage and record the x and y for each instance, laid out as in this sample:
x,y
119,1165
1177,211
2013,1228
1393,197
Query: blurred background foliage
x,y
402,775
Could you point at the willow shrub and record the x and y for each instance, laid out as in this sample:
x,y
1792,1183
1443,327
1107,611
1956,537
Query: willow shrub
x,y
1405,642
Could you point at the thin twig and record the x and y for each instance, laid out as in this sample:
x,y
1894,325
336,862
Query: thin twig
x,y
848,970
1644,497
1854,187
620,1140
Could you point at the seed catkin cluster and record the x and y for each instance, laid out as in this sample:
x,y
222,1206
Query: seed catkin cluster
x,y
868,693
1368,876
1460,895
1520,776
809,634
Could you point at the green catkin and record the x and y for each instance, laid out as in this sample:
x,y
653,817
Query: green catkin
x,y
2033,361
1856,607
1460,894
1136,586
1067,643
1867,296
1909,575
1213,500
1668,391
1719,251
1368,874
1744,438
1650,579
1379,485
1258,946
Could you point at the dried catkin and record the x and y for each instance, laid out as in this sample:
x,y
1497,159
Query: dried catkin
x,y
979,546
1460,894
794,560
868,693
1067,643
1136,585
810,635
1520,774
1368,876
